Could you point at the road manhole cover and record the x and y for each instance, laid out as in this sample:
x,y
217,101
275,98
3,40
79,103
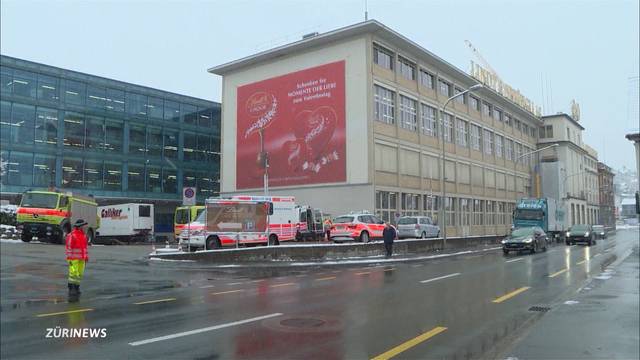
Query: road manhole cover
x,y
539,308
302,322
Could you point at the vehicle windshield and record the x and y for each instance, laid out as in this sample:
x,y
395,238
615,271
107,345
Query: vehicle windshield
x,y
202,216
407,221
343,220
39,200
522,232
598,227
579,228
529,214
182,216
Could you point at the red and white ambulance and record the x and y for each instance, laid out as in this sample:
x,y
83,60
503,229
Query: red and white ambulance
x,y
250,220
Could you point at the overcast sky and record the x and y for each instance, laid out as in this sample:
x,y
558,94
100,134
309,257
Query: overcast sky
x,y
583,50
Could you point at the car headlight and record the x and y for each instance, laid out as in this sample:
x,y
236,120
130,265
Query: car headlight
x,y
586,234
528,240
568,234
504,241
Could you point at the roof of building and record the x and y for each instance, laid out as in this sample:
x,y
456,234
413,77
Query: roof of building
x,y
565,116
367,27
78,75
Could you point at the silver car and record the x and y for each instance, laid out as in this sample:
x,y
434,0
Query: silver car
x,y
417,227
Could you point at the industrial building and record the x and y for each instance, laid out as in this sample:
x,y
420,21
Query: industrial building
x,y
349,120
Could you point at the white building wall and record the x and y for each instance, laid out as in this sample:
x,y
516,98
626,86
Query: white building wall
x,y
353,52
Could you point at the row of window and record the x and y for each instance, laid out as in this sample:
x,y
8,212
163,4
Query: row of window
x,y
460,211
27,169
410,71
27,124
53,89
466,134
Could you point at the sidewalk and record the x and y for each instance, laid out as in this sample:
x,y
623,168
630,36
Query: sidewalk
x,y
600,322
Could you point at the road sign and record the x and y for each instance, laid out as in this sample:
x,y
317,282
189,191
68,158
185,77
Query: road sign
x,y
188,196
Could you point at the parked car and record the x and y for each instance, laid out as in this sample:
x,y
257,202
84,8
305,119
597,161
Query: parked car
x,y
417,227
600,231
357,226
581,233
525,238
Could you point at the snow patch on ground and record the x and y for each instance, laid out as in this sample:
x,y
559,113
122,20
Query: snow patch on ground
x,y
571,302
10,241
170,260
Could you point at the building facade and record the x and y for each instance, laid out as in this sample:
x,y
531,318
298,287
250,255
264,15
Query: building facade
x,y
384,147
117,141
607,215
569,171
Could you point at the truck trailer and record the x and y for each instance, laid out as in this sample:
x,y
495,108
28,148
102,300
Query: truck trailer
x,y
125,223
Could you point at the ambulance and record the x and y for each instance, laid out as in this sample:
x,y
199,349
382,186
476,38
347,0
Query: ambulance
x,y
250,220
183,216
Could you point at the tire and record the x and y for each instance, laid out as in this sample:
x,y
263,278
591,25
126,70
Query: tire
x,y
25,238
423,235
568,242
273,240
364,237
505,252
438,234
212,243
534,249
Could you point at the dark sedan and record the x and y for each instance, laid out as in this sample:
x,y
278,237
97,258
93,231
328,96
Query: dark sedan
x,y
532,239
600,231
581,233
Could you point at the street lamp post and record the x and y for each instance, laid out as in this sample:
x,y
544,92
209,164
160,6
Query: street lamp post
x,y
442,178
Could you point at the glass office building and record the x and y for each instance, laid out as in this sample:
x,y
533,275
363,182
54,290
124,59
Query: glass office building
x,y
117,141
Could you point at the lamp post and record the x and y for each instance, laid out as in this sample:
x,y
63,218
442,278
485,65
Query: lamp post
x,y
442,178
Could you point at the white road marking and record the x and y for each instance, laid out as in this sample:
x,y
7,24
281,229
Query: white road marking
x,y
596,255
440,278
198,331
207,286
235,283
514,260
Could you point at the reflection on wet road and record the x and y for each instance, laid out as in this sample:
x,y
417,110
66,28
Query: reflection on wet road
x,y
451,307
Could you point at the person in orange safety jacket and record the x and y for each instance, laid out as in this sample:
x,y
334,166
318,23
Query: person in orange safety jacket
x,y
77,256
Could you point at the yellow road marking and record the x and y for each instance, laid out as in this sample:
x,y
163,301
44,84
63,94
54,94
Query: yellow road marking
x,y
557,273
227,292
364,273
411,343
285,284
581,262
510,295
64,312
154,301
326,278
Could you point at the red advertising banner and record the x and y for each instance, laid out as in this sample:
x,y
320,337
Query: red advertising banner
x,y
296,124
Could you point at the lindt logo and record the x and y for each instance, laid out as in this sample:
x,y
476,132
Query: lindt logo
x,y
112,213
258,103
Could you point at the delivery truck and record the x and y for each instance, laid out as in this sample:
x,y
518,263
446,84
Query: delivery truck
x,y
125,223
546,213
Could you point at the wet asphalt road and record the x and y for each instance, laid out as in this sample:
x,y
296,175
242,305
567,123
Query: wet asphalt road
x,y
460,307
